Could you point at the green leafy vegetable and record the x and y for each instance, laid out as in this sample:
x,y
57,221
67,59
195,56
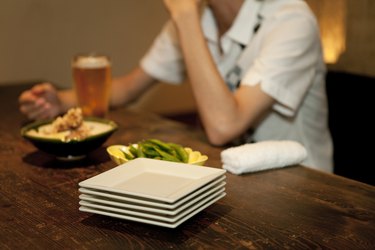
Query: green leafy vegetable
x,y
157,149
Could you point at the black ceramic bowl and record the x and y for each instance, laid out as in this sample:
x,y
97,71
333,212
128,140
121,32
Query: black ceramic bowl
x,y
72,149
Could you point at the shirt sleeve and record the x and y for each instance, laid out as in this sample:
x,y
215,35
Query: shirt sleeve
x,y
164,60
287,61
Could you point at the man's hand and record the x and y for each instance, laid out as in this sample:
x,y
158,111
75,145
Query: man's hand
x,y
40,102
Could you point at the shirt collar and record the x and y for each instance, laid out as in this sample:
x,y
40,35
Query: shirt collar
x,y
209,26
245,18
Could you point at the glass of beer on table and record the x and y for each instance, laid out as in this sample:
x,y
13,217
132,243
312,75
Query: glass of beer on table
x,y
92,83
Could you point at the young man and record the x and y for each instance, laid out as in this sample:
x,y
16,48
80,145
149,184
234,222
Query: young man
x,y
251,64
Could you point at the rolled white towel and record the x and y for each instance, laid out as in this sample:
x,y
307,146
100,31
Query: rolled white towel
x,y
252,157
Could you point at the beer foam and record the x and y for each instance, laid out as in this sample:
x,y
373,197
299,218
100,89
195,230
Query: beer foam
x,y
91,62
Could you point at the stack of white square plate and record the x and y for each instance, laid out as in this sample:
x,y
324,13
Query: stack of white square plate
x,y
152,191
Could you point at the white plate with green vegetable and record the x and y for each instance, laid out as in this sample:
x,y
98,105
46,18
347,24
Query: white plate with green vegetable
x,y
155,149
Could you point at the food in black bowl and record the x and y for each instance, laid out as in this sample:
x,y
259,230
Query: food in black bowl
x,y
70,137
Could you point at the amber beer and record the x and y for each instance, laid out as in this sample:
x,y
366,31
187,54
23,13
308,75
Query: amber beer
x,y
92,79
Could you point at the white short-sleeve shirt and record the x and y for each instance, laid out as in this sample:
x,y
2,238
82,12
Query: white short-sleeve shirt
x,y
284,57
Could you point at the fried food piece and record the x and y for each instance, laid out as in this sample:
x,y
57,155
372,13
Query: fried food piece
x,y
72,122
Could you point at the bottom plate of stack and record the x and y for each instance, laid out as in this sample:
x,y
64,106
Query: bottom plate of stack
x,y
152,191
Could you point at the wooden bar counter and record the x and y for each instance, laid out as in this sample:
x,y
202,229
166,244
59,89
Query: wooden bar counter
x,y
290,208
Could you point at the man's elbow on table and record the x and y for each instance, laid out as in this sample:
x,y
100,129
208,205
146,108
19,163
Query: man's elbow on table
x,y
220,134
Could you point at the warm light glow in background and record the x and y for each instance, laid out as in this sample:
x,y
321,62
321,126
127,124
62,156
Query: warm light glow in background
x,y
331,15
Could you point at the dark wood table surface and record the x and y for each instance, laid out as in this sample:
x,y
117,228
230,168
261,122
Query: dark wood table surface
x,y
289,208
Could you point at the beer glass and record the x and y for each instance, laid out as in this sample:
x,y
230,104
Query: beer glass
x,y
92,83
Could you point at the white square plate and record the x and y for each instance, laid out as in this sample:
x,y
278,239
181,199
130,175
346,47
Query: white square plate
x,y
173,222
151,215
131,200
153,179
148,209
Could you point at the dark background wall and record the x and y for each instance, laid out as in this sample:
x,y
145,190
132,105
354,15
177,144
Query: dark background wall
x,y
352,123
